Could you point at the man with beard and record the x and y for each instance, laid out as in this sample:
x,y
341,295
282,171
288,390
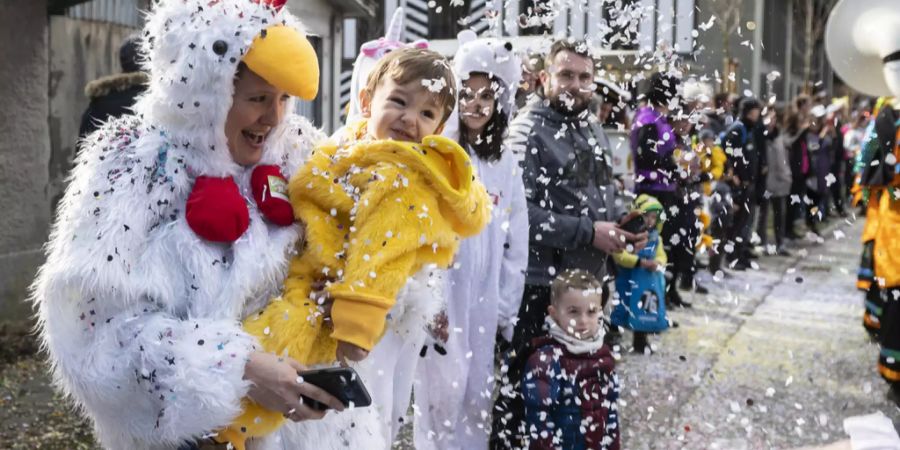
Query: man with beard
x,y
572,199
573,207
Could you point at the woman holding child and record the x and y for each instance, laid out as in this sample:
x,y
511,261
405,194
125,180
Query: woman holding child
x,y
173,228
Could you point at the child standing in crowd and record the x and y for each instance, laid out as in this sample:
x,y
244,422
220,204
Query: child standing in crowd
x,y
570,384
778,188
453,391
377,207
640,282
715,190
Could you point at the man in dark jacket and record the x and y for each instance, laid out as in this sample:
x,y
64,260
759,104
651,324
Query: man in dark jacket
x,y
112,96
573,204
744,146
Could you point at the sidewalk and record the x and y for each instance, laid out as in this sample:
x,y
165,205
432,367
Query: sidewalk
x,y
772,358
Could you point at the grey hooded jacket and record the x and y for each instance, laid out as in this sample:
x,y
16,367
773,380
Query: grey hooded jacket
x,y
569,185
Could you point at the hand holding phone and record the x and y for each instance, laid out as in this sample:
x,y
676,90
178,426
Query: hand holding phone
x,y
635,224
341,382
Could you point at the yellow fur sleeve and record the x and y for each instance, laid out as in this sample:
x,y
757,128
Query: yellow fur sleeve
x,y
397,218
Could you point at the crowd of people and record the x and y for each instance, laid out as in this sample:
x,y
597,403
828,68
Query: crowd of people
x,y
464,237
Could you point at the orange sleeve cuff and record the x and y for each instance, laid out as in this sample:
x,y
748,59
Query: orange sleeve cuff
x,y
358,317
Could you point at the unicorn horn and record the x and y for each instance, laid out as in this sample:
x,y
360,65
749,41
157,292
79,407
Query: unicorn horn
x,y
395,30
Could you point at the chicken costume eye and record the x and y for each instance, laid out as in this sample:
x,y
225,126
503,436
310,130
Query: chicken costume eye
x,y
220,47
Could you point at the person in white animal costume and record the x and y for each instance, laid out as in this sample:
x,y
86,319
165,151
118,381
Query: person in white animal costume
x,y
454,391
173,228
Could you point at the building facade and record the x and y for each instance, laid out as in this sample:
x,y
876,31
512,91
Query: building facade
x,y
50,50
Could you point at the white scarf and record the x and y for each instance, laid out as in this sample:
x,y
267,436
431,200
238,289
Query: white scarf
x,y
572,343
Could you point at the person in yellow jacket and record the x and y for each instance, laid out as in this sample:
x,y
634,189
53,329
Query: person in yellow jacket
x,y
880,178
712,166
717,209
388,200
865,281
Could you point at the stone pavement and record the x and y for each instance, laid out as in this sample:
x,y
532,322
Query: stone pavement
x,y
771,358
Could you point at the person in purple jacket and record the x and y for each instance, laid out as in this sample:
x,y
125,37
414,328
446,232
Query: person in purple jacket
x,y
570,387
653,143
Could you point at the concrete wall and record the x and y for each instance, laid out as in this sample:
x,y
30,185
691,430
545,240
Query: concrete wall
x,y
54,57
24,148
80,51
323,20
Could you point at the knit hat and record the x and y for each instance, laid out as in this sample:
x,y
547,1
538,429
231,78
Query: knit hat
x,y
646,204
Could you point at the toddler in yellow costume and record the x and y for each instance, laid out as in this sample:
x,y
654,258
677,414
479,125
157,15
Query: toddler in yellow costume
x,y
389,199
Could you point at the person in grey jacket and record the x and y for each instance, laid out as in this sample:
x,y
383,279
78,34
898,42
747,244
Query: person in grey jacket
x,y
573,204
778,187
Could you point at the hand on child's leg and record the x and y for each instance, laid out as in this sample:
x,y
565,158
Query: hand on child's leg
x,y
348,352
439,327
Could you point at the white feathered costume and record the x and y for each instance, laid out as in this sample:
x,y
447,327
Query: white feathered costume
x,y
140,316
454,392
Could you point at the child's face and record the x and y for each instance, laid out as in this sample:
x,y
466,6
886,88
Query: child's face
x,y
476,103
578,313
402,112
650,219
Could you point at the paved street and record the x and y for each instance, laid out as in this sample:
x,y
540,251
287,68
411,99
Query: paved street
x,y
774,358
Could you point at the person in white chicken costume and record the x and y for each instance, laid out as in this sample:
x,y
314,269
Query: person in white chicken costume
x,y
173,228
454,391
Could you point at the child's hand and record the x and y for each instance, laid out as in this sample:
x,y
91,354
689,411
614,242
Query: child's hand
x,y
649,264
439,327
322,298
349,352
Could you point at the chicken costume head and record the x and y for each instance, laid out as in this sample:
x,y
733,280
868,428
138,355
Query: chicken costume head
x,y
192,50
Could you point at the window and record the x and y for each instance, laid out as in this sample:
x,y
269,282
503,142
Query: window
x,y
312,110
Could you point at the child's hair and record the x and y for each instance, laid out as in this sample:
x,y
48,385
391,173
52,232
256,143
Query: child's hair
x,y
573,279
490,146
417,64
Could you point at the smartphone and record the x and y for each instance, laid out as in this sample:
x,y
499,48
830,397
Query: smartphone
x,y
635,225
341,382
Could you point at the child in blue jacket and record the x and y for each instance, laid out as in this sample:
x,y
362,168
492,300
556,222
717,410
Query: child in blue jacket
x,y
640,281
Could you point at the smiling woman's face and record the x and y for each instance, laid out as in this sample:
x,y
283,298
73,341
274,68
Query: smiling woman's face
x,y
476,103
257,108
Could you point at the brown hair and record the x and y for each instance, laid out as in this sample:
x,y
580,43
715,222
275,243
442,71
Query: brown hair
x,y
413,64
488,146
580,48
573,279
795,113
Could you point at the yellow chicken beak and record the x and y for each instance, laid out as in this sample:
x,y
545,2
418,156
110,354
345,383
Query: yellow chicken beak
x,y
285,58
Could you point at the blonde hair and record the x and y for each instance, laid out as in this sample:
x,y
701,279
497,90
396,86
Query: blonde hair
x,y
411,64
573,279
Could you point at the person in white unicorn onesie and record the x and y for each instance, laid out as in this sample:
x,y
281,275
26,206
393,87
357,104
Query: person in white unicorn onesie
x,y
454,391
